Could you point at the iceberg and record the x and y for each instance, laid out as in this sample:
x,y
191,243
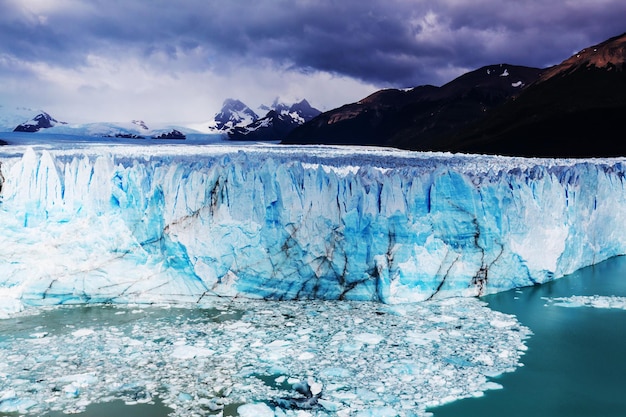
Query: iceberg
x,y
99,223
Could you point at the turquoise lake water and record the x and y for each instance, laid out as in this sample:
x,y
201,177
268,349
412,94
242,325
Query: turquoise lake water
x,y
574,365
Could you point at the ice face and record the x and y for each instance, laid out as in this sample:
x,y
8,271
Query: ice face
x,y
307,358
176,224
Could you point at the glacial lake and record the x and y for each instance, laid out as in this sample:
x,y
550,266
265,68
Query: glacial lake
x,y
574,365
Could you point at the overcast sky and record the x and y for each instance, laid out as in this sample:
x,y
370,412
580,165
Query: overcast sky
x,y
177,60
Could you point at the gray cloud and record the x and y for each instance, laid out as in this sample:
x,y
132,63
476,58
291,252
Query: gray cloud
x,y
380,42
388,42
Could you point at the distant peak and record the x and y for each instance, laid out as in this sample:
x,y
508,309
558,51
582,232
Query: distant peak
x,y
234,113
41,121
607,55
141,124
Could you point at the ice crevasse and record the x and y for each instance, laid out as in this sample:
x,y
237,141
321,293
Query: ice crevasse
x,y
180,224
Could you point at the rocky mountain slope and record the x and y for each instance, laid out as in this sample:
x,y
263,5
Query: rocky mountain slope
x,y
41,121
404,117
574,109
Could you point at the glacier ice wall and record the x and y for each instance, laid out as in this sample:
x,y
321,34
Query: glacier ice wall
x,y
159,224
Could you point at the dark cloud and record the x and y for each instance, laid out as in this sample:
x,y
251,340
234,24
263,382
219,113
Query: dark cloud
x,y
384,42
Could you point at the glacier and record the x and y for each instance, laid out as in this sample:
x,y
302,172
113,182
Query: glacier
x,y
104,223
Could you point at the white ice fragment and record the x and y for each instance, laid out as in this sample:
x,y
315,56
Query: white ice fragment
x,y
255,410
306,356
351,347
314,386
190,352
80,380
368,338
501,324
422,338
378,412
485,359
330,406
278,344
83,332
595,301
490,385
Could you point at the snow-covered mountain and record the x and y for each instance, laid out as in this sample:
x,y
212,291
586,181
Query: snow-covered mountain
x,y
239,121
12,117
30,121
235,120
41,121
234,113
279,121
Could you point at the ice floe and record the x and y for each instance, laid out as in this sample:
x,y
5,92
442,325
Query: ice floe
x,y
595,301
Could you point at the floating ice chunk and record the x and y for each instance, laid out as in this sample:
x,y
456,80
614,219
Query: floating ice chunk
x,y
306,356
80,380
491,386
422,338
83,332
595,301
255,410
190,352
501,324
314,386
378,412
328,405
10,402
335,372
485,359
351,347
368,338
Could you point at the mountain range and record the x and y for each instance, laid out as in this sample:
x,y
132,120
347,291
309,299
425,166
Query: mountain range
x,y
44,122
240,122
235,121
574,109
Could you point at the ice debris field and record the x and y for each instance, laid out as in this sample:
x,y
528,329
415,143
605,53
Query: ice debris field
x,y
262,358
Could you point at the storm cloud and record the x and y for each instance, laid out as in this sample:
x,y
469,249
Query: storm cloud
x,y
72,46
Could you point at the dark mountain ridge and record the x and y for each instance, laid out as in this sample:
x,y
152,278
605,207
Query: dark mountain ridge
x,y
574,109
399,117
41,121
